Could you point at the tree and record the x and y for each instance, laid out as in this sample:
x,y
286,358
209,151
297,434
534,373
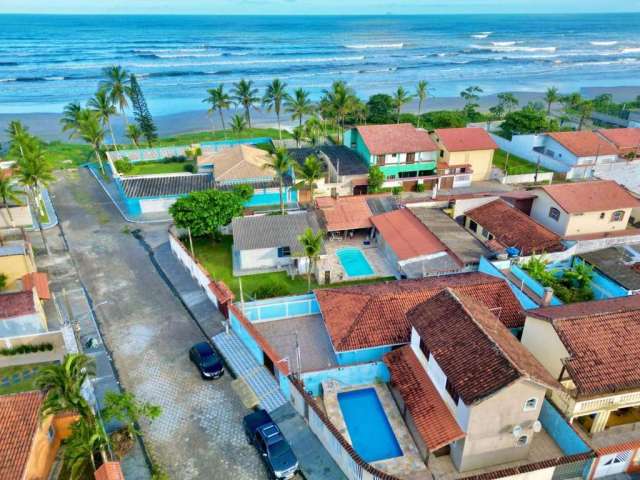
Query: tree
x,y
309,173
86,441
243,93
69,118
313,130
280,164
141,112
299,105
400,99
444,119
580,275
219,100
274,97
340,100
360,112
298,135
116,86
19,137
244,191
238,124
127,409
508,101
134,133
376,179
311,250
104,108
550,97
63,385
471,95
526,121
90,130
9,192
203,213
380,108
584,110
495,113
422,90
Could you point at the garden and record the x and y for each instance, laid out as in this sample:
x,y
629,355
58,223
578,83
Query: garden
x,y
513,165
569,285
175,164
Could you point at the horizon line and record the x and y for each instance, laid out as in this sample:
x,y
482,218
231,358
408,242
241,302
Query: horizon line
x,y
403,14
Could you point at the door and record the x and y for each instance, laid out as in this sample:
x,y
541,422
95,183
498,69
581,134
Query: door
x,y
613,464
446,183
411,158
409,186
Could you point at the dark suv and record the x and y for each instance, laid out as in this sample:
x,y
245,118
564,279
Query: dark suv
x,y
264,434
207,360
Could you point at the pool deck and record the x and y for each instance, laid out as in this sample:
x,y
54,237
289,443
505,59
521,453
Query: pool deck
x,y
375,258
410,464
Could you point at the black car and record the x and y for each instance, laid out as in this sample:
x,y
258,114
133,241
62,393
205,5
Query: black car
x,y
264,434
207,360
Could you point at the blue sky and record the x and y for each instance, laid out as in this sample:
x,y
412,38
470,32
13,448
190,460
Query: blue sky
x,y
316,6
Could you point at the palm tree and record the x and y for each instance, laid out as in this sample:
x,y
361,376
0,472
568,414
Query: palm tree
x,y
471,95
116,85
274,97
91,131
313,130
220,101
8,191
340,100
311,250
238,124
87,439
101,104
299,105
309,173
18,135
508,101
360,111
69,118
298,135
422,91
551,96
280,163
244,94
134,133
400,98
584,110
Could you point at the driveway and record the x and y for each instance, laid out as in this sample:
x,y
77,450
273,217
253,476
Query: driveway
x,y
149,331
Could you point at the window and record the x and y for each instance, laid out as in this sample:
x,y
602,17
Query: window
x,y
441,153
523,440
284,252
452,391
408,174
601,215
554,213
530,404
424,349
425,173
617,216
473,226
51,433
486,234
380,159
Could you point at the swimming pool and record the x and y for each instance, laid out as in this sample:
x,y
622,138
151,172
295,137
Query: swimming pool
x,y
354,262
371,434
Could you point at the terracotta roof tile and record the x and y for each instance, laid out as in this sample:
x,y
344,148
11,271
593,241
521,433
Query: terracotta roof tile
x,y
14,304
597,195
513,228
345,213
434,421
40,281
395,138
465,139
626,140
583,143
407,236
477,353
19,418
366,316
602,340
239,162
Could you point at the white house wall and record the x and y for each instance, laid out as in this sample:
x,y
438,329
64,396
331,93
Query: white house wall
x,y
156,205
540,213
541,339
260,258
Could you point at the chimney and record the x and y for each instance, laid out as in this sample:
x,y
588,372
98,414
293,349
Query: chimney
x,y
547,297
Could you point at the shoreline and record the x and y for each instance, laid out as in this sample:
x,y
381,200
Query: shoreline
x,y
47,125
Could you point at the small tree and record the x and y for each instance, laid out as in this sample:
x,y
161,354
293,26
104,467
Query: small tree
x,y
309,173
141,111
244,191
376,179
205,212
127,409
311,250
280,164
238,124
422,91
400,98
380,107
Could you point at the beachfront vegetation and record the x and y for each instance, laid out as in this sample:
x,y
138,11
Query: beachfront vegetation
x,y
203,213
280,163
245,94
274,98
309,174
400,98
219,101
526,121
141,112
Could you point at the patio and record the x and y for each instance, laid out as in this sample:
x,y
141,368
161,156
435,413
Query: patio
x,y
376,259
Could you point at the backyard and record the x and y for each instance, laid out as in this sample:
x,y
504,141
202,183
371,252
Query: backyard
x,y
515,165
18,379
157,168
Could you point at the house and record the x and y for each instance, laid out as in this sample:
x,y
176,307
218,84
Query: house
x,y
343,214
574,209
502,226
625,140
405,154
579,151
270,242
16,261
465,150
411,248
21,313
29,443
492,387
366,321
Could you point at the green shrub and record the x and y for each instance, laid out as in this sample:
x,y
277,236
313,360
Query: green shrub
x,y
270,290
244,191
189,167
24,349
396,190
124,165
420,187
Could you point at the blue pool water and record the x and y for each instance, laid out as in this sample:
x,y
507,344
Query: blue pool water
x,y
354,262
371,434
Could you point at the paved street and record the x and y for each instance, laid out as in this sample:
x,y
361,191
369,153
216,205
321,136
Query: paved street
x,y
148,330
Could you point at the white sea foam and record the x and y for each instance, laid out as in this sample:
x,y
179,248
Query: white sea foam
x,y
502,44
4,80
254,62
603,43
188,55
481,35
365,46
630,50
511,48
54,78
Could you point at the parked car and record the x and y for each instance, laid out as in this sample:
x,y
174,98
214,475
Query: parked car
x,y
207,360
264,434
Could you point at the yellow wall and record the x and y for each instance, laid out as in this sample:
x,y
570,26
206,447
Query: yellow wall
x,y
481,162
541,339
43,450
15,267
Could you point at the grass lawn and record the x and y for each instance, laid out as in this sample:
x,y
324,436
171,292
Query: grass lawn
x,y
197,137
216,258
516,166
150,168
24,384
65,155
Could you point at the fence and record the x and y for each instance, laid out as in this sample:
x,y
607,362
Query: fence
x,y
287,307
540,177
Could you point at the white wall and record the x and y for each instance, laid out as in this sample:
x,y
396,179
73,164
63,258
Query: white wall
x,y
156,205
261,258
541,339
462,205
540,213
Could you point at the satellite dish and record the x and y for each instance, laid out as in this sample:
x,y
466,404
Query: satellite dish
x,y
517,431
537,426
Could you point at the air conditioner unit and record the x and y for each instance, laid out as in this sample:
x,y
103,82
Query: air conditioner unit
x,y
517,431
537,426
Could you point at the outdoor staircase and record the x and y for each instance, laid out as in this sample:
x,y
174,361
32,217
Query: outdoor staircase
x,y
256,376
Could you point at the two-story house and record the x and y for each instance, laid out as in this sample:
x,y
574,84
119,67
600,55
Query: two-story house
x,y
492,388
465,150
574,209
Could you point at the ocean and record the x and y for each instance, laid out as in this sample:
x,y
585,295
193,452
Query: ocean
x,y
47,61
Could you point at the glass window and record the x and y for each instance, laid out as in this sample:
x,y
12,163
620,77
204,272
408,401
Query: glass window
x,y
523,440
424,349
554,213
473,226
284,252
51,433
601,215
530,404
485,233
617,216
408,174
452,391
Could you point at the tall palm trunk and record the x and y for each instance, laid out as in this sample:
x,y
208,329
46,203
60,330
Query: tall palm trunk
x,y
124,118
247,115
97,152
281,196
31,195
279,129
224,129
113,137
6,206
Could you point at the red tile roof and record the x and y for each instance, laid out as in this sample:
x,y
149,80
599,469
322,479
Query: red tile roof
x,y
626,140
14,304
583,143
366,316
345,213
40,281
465,139
19,421
602,340
433,419
477,353
594,196
395,138
513,228
407,236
